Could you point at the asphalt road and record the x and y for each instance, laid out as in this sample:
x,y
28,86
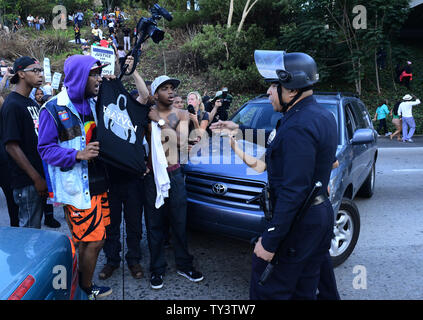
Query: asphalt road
x,y
386,263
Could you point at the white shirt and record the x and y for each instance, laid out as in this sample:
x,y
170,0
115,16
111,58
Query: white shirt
x,y
159,161
405,108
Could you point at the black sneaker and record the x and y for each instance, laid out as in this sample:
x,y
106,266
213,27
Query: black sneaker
x,y
156,281
98,292
50,222
192,275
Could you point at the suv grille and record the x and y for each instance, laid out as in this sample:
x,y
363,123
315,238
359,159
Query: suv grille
x,y
236,191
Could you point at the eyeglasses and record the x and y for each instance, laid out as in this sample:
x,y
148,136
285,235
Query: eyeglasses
x,y
35,70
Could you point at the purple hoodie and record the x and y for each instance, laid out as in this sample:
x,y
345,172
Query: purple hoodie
x,y
76,71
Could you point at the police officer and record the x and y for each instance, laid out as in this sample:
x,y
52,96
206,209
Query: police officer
x,y
301,153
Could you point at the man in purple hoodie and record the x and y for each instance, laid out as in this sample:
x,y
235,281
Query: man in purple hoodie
x,y
75,176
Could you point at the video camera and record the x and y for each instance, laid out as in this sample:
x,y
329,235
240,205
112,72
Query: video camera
x,y
146,28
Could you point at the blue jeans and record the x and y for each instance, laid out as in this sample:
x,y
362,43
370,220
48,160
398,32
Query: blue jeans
x,y
408,123
30,206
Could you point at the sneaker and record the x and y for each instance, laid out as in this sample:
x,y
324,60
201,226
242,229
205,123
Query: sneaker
x,y
156,281
99,292
191,275
410,140
50,222
388,134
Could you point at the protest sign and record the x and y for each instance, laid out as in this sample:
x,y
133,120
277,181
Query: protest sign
x,y
56,80
105,55
47,70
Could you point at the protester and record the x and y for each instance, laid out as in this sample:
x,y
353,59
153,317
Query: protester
x,y
178,102
5,179
405,111
381,112
126,38
98,34
407,75
174,126
37,23
78,179
30,20
19,117
396,121
127,192
42,23
77,31
79,18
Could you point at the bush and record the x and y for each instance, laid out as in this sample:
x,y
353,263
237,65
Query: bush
x,y
228,57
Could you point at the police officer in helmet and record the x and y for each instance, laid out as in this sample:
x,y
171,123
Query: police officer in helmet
x,y
301,153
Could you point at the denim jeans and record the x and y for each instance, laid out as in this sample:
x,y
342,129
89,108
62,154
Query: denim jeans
x,y
408,123
175,208
30,206
130,195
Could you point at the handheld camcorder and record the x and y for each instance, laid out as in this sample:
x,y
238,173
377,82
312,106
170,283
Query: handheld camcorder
x,y
146,28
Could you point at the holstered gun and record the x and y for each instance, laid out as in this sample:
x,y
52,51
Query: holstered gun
x,y
265,202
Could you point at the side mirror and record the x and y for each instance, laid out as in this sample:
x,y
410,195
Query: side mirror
x,y
363,136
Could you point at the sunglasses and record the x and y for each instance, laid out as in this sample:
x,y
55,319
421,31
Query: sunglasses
x,y
35,70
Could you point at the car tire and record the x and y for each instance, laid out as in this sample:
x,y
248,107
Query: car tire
x,y
367,189
346,232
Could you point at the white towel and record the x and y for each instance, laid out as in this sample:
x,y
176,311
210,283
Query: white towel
x,y
158,158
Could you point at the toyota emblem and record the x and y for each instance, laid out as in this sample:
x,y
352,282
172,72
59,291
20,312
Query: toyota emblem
x,y
219,188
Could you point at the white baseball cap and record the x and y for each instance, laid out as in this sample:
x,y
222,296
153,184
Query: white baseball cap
x,y
159,81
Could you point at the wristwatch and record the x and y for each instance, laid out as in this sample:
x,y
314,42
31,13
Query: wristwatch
x,y
161,123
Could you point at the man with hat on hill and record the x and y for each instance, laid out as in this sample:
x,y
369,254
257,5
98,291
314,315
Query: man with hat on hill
x,y
19,124
405,110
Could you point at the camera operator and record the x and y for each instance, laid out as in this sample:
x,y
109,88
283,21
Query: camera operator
x,y
226,100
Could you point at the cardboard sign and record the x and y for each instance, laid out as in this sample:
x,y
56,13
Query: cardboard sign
x,y
105,55
47,70
56,80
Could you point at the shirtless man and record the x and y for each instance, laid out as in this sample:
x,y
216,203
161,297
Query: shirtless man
x,y
174,136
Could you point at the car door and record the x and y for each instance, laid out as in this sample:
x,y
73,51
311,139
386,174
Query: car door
x,y
359,161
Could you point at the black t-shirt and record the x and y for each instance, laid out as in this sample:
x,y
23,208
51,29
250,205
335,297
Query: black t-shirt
x,y
19,122
126,32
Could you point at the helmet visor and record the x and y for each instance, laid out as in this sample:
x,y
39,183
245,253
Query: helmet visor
x,y
269,62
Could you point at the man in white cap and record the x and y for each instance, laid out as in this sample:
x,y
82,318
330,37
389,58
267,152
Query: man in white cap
x,y
405,111
173,123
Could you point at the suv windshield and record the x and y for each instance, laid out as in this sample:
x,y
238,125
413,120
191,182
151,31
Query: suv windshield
x,y
262,116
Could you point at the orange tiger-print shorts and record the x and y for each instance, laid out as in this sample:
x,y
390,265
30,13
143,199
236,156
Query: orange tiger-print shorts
x,y
89,225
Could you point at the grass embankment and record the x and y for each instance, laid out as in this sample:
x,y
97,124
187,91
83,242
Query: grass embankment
x,y
167,56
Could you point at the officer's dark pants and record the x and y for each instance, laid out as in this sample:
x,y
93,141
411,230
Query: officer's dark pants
x,y
296,275
12,207
327,284
130,195
175,207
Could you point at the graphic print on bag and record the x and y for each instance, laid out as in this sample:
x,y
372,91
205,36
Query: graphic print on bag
x,y
117,120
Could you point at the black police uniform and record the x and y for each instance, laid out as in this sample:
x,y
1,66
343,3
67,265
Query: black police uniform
x,y
301,154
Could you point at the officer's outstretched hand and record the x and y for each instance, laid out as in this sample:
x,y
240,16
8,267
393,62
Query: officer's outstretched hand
x,y
260,252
